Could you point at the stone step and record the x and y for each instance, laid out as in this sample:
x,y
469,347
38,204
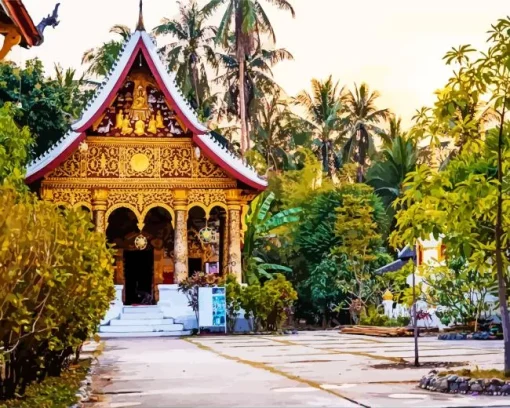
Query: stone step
x,y
142,316
142,329
144,334
140,309
141,321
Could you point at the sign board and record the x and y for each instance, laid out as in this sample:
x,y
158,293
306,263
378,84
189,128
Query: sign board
x,y
212,307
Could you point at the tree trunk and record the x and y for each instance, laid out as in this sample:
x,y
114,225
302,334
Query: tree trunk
x,y
501,273
242,105
194,71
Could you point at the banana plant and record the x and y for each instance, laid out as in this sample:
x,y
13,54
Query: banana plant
x,y
262,226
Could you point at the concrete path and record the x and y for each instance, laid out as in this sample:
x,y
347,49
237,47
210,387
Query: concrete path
x,y
315,369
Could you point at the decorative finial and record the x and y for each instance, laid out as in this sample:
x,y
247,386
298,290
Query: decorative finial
x,y
140,26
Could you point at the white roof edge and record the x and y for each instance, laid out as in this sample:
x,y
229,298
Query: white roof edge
x,y
171,85
233,161
109,82
47,158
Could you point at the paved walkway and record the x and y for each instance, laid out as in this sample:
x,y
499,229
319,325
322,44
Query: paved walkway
x,y
314,369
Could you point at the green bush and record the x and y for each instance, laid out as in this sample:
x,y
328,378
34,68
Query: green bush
x,y
56,284
372,317
269,305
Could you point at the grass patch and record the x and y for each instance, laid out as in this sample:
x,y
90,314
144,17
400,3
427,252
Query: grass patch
x,y
476,373
54,392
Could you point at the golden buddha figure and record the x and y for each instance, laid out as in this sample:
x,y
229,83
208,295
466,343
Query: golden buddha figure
x,y
126,127
140,100
140,127
153,128
119,120
159,120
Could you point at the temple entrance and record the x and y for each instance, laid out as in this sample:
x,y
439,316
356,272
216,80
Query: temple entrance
x,y
139,276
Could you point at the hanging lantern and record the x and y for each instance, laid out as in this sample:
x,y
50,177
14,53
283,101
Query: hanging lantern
x,y
207,235
141,242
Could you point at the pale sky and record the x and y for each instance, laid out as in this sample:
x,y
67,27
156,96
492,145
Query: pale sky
x,y
396,46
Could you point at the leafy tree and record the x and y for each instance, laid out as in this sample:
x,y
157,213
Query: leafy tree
x,y
363,118
249,20
100,60
468,201
191,52
360,239
15,144
45,105
323,109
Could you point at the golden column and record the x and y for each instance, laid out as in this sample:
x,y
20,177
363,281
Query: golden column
x,y
181,235
234,233
99,206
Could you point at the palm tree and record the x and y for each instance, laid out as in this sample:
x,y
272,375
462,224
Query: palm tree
x,y
271,134
361,122
323,115
395,130
249,20
258,79
101,59
72,96
387,175
191,52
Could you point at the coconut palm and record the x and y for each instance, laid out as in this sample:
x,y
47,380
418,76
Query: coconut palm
x,y
249,20
362,122
258,79
387,175
70,86
395,130
271,135
191,51
101,59
323,109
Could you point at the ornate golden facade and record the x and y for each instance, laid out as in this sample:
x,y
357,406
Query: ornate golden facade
x,y
138,167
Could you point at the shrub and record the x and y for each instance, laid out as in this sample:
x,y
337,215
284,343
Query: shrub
x,y
56,284
233,294
372,317
269,305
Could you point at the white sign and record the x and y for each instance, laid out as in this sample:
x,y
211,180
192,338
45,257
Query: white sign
x,y
212,307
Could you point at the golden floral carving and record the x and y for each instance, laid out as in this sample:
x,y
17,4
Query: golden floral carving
x,y
234,241
176,162
141,199
103,161
71,196
206,196
70,167
206,168
181,246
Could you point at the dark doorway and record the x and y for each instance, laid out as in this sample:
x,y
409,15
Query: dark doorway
x,y
194,266
138,274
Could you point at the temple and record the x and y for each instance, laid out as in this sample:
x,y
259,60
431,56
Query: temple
x,y
166,191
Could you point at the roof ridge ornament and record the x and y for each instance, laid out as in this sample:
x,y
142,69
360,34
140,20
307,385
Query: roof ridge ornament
x,y
140,26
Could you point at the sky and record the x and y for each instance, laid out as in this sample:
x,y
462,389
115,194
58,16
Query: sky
x,y
396,46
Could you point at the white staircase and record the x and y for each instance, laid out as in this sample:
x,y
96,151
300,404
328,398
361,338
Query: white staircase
x,y
141,321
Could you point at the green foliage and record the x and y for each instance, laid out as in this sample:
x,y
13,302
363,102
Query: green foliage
x,y
262,228
56,284
460,289
48,105
14,146
371,316
268,305
234,301
55,392
100,60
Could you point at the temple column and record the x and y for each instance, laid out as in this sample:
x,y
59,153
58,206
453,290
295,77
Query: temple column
x,y
234,233
181,235
224,244
99,206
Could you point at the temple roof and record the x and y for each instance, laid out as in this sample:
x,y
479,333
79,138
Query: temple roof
x,y
140,41
16,12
